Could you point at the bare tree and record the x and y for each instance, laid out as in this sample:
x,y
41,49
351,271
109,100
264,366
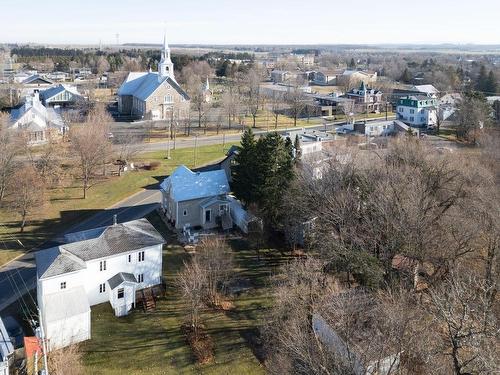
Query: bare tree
x,y
253,92
464,308
215,259
29,194
10,147
277,104
296,101
91,146
192,284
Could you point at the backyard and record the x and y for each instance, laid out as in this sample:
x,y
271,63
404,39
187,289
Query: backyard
x,y
65,205
152,343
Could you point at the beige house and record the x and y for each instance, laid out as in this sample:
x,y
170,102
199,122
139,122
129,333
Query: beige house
x,y
154,95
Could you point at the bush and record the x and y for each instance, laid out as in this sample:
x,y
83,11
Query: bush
x,y
154,165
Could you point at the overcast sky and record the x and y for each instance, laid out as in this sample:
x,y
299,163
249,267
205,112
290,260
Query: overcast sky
x,y
251,21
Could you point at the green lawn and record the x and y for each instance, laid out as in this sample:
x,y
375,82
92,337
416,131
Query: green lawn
x,y
66,207
152,343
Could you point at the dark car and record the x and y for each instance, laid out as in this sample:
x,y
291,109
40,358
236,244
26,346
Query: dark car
x,y
14,330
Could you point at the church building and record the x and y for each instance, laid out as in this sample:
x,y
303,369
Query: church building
x,y
154,95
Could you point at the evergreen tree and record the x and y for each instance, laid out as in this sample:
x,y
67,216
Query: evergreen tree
x,y
273,176
243,171
296,146
491,88
482,80
406,76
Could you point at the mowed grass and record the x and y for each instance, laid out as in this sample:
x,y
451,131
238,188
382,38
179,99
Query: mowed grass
x,y
66,207
152,343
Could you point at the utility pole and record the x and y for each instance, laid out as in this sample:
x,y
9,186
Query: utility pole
x,y
195,148
44,344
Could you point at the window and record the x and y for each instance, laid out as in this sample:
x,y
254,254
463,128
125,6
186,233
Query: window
x,y
102,265
401,109
168,98
223,208
412,111
412,119
140,278
129,258
422,119
185,213
208,215
102,288
141,256
121,293
63,285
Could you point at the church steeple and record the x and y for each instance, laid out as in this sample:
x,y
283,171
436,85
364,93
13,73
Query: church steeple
x,y
166,66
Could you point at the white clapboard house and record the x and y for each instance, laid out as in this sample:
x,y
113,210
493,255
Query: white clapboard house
x,y
106,264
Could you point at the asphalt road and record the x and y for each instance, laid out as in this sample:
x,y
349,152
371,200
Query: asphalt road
x,y
19,276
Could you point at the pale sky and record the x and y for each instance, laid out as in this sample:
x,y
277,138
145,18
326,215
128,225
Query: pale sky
x,y
251,21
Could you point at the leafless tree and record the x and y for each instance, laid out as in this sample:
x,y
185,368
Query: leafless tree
x,y
192,284
466,309
277,105
349,109
90,143
29,194
193,76
10,147
215,259
253,92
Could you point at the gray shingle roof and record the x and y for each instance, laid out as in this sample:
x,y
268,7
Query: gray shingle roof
x,y
95,244
120,278
116,239
53,262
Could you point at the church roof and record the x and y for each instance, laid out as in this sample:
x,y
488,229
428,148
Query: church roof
x,y
143,84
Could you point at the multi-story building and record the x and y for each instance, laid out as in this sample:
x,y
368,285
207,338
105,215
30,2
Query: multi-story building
x,y
417,110
106,264
366,98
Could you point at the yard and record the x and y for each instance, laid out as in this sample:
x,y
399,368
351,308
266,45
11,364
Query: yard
x,y
152,343
66,207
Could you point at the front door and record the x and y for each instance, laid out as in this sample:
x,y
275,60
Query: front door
x,y
208,216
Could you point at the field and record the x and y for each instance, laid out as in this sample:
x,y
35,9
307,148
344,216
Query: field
x,y
66,207
152,343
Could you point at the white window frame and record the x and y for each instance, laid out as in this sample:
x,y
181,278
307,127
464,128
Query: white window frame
x,y
141,256
102,288
102,265
122,291
210,216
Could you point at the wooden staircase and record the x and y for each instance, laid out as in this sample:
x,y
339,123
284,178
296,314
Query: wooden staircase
x,y
147,297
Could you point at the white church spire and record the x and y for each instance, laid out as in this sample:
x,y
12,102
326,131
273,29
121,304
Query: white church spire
x,y
166,66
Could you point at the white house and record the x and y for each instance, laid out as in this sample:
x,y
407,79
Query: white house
x,y
60,95
106,264
376,129
311,141
417,110
36,120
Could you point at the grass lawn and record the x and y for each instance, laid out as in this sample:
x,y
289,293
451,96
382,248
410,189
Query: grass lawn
x,y
152,343
66,206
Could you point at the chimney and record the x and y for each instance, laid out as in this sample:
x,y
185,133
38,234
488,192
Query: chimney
x,y
114,219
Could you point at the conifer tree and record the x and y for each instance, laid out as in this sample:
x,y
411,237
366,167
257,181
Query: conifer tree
x,y
243,172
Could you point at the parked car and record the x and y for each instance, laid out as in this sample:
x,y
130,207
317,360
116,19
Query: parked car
x,y
15,331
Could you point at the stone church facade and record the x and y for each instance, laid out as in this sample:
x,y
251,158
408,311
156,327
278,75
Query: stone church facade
x,y
154,95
